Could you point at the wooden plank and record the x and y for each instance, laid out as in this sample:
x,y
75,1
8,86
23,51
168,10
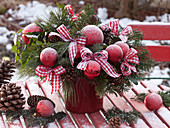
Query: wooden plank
x,y
59,107
122,105
149,117
33,88
152,31
161,112
98,120
2,124
108,105
160,53
81,119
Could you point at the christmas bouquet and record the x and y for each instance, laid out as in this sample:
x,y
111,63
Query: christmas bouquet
x,y
81,55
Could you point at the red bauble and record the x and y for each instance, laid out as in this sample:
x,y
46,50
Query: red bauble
x,y
93,35
45,108
49,57
115,53
30,28
92,69
153,101
123,46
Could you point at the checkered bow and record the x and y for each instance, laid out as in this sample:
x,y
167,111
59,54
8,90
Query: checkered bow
x,y
130,57
71,13
114,26
100,57
65,35
50,74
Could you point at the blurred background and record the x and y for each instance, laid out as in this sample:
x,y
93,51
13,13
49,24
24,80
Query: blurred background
x,y
16,14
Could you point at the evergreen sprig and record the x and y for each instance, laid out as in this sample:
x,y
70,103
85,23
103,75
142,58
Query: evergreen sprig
x,y
28,54
32,119
164,94
127,117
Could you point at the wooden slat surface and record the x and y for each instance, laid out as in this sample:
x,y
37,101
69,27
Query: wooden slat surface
x,y
160,53
153,32
159,119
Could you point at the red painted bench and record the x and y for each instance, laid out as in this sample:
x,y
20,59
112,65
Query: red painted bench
x,y
156,32
149,119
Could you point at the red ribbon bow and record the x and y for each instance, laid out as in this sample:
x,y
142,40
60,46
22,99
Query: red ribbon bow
x,y
114,25
100,57
131,57
65,35
71,13
50,74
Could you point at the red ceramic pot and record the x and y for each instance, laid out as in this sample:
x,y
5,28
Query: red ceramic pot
x,y
83,99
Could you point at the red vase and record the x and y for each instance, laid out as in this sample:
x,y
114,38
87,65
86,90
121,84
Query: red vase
x,y
83,98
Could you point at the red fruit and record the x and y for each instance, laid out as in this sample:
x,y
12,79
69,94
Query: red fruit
x,y
49,57
93,34
92,69
30,28
45,108
153,101
123,46
115,53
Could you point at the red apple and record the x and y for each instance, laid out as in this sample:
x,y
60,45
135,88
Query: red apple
x,y
124,46
115,53
153,101
93,34
45,108
92,69
30,28
49,57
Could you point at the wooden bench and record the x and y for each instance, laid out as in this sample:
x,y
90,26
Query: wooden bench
x,y
149,119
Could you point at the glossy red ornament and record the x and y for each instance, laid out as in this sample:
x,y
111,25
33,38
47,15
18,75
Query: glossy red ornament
x,y
30,28
92,69
93,34
153,101
49,57
83,98
45,108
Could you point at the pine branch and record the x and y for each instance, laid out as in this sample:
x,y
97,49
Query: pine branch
x,y
128,117
31,119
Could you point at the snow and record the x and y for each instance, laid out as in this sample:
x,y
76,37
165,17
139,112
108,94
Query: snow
x,y
31,11
81,2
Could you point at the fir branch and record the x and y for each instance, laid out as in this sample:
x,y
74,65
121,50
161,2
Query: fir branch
x,y
128,117
31,119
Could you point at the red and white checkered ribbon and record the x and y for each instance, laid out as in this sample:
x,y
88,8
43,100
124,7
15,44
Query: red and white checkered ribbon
x,y
50,74
100,57
65,35
71,13
114,26
131,57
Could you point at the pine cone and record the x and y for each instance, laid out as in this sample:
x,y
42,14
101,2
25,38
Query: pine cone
x,y
11,97
115,122
118,81
94,19
34,99
54,38
70,74
6,70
